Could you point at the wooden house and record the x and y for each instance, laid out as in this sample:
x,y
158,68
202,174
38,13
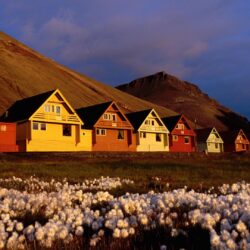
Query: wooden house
x,y
111,130
151,133
209,140
47,122
8,137
235,141
182,137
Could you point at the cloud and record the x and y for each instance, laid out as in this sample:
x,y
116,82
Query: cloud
x,y
116,41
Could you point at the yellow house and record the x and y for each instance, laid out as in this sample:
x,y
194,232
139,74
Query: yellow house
x,y
47,122
151,133
209,140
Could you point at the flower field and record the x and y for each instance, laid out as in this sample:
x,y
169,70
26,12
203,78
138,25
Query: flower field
x,y
36,214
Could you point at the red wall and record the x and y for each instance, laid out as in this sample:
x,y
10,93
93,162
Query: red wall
x,y
180,145
8,137
109,142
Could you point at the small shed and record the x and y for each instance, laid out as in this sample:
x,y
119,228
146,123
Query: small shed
x,y
8,137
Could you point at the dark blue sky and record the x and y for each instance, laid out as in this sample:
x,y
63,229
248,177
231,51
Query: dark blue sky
x,y
115,41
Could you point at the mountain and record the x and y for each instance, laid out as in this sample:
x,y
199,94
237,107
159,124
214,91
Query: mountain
x,y
24,73
184,97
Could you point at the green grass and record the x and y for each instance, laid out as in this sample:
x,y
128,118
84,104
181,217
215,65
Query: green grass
x,y
195,171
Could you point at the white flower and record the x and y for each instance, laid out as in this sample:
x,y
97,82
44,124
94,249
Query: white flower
x,y
117,233
79,231
241,227
124,233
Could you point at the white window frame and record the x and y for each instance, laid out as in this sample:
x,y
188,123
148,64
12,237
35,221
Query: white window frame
x,y
45,126
3,128
101,132
47,108
175,138
58,108
34,127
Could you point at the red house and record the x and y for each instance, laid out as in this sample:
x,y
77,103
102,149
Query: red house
x,y
182,137
111,130
8,137
235,141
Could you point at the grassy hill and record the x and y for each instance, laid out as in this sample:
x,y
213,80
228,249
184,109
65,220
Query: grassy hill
x,y
24,72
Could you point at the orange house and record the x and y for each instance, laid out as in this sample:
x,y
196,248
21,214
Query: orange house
x,y
8,137
235,141
111,130
182,137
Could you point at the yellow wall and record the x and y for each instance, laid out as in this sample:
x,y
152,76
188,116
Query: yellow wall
x,y
210,145
150,144
152,126
52,139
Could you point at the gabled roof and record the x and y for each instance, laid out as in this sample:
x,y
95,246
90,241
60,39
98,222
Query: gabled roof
x,y
137,118
171,121
23,109
229,137
203,133
91,114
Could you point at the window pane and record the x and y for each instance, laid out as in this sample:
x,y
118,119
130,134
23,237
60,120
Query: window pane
x,y
66,130
58,109
120,134
35,126
47,108
158,137
186,140
3,128
43,126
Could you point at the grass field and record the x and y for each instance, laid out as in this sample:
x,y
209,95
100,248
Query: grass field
x,y
36,214
196,171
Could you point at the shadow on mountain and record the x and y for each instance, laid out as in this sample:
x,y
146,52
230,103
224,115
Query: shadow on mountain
x,y
233,121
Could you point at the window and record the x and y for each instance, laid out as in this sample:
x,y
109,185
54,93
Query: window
x,y
186,139
43,126
35,125
143,134
158,137
66,130
175,137
180,126
147,122
109,117
120,135
3,128
153,123
58,110
53,108
243,146
47,108
216,145
100,131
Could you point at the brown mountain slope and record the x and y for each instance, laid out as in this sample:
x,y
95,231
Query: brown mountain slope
x,y
183,97
24,72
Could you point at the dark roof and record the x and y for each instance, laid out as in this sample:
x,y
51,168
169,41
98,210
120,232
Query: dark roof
x,y
230,136
202,134
91,114
23,109
137,118
171,121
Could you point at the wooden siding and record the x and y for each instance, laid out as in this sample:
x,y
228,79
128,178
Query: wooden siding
x,y
115,123
8,137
